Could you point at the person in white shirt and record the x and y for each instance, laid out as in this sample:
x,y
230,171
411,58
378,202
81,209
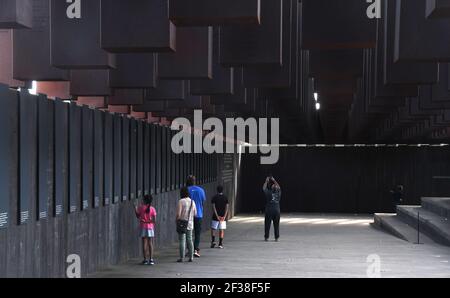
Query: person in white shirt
x,y
186,210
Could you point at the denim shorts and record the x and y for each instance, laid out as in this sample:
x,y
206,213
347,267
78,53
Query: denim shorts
x,y
147,233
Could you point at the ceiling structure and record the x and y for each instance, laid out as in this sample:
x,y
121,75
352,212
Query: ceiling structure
x,y
380,80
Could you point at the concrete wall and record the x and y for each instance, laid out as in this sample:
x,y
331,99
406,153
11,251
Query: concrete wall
x,y
49,171
228,178
104,236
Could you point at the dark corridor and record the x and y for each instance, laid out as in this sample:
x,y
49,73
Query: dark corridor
x,y
346,179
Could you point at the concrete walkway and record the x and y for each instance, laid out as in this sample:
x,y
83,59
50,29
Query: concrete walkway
x,y
310,246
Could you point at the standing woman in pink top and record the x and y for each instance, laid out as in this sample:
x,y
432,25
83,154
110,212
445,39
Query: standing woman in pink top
x,y
147,218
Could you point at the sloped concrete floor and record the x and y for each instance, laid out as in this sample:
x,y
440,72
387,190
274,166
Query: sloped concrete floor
x,y
331,246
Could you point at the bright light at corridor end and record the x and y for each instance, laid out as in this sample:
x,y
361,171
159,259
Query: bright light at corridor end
x,y
33,90
316,98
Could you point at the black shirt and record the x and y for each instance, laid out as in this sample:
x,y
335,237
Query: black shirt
x,y
397,196
221,202
273,198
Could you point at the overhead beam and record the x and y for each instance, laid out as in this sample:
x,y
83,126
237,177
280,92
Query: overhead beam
x,y
328,24
418,38
193,58
252,44
222,77
89,82
137,26
437,9
16,14
126,97
31,49
75,43
400,72
135,70
6,60
276,76
214,12
167,90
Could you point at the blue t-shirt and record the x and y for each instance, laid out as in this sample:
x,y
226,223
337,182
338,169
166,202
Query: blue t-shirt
x,y
198,195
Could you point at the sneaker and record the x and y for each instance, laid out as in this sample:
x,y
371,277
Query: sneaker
x,y
145,262
220,247
213,245
277,239
151,262
180,261
266,239
197,254
191,260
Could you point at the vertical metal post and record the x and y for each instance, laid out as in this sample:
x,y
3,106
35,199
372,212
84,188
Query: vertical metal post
x,y
418,227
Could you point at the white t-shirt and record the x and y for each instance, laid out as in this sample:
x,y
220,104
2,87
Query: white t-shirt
x,y
184,205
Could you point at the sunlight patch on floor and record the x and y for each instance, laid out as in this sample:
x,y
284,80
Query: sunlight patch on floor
x,y
299,220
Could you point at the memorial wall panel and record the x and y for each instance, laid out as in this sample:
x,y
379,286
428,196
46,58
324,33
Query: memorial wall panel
x,y
163,146
152,159
133,159
61,156
140,158
75,141
125,159
45,156
99,157
147,176
28,156
117,153
9,146
109,158
158,161
88,158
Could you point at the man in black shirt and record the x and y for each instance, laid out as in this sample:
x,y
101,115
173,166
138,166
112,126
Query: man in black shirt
x,y
220,213
272,192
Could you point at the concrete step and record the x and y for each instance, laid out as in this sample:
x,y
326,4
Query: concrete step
x,y
430,223
440,206
392,224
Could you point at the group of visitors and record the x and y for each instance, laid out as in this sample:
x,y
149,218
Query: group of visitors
x,y
189,221
189,217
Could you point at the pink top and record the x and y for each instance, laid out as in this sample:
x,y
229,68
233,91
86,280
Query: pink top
x,y
146,219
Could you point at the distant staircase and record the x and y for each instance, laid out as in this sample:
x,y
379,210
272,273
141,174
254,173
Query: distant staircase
x,y
427,223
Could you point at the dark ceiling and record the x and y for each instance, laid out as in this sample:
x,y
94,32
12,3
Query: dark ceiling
x,y
378,80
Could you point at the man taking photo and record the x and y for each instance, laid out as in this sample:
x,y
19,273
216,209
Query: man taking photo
x,y
272,192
